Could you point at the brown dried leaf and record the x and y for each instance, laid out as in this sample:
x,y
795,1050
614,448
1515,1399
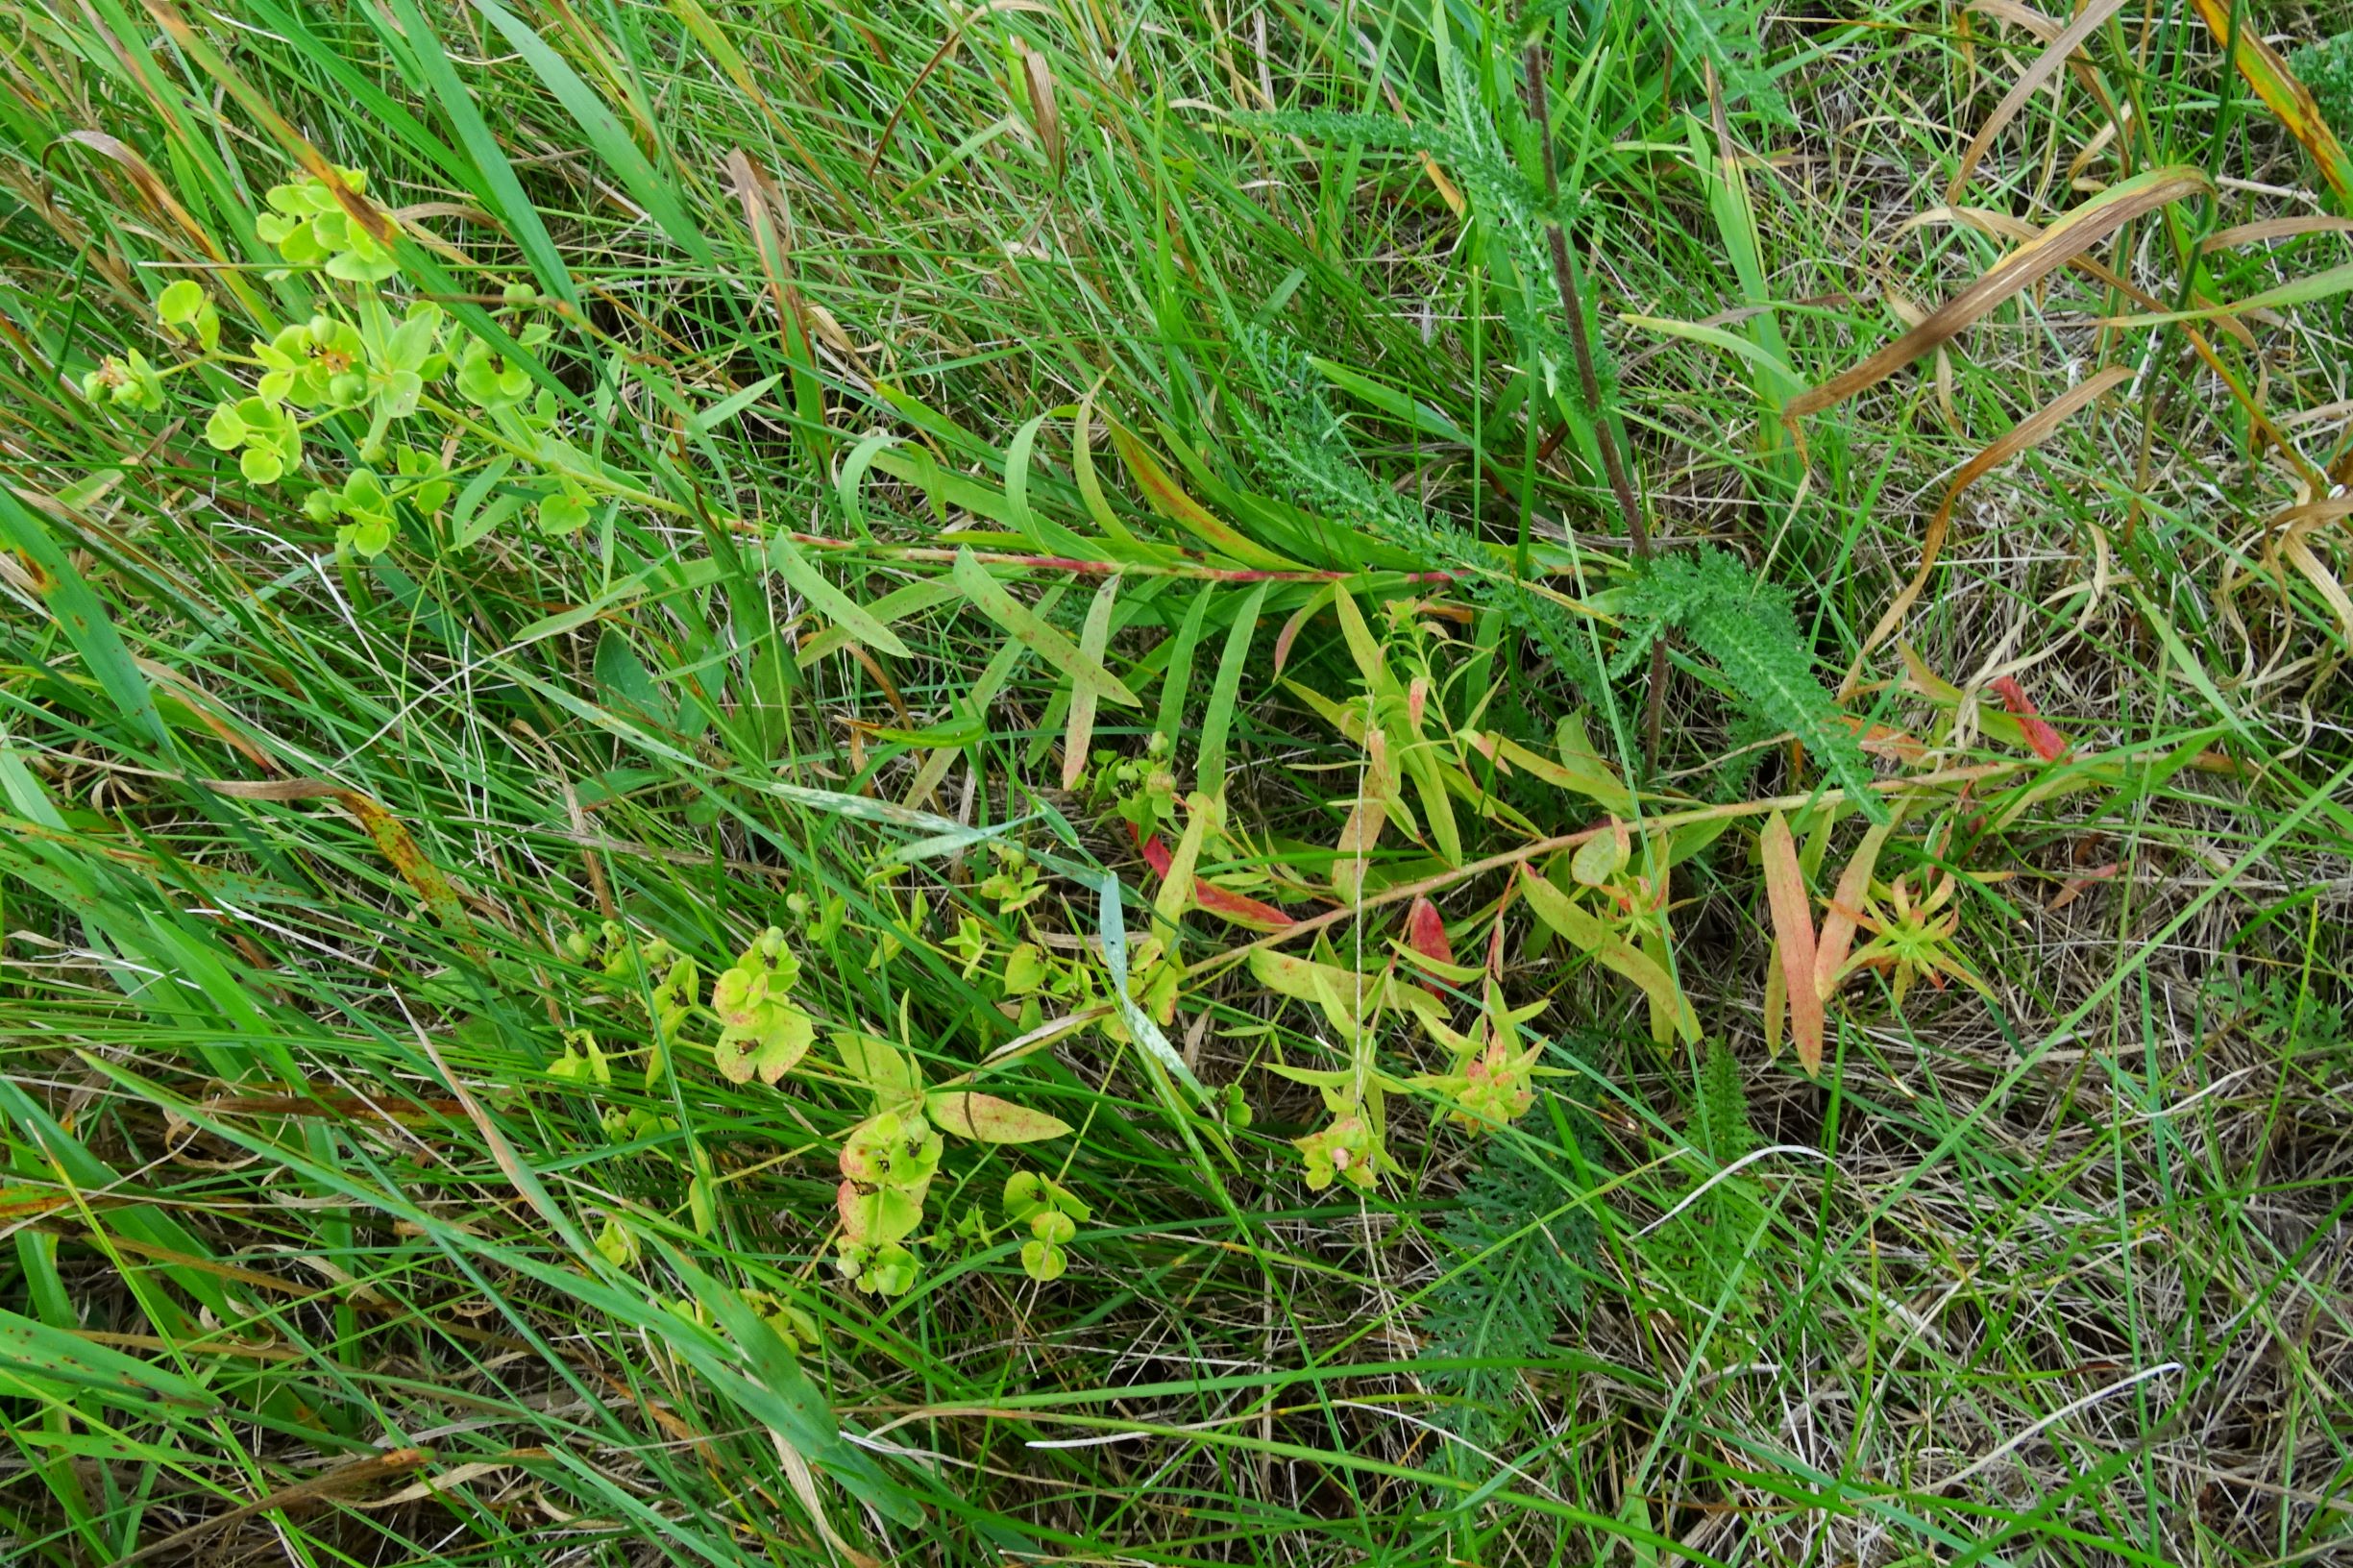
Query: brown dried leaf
x,y
2032,261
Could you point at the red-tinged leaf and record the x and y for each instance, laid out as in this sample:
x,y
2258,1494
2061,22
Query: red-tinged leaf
x,y
990,1119
2048,742
1846,911
1793,925
1426,935
1884,741
1239,908
1169,499
1417,696
2077,887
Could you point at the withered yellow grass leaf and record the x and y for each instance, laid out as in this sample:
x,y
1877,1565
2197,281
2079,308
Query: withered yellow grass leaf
x,y
2033,260
2028,432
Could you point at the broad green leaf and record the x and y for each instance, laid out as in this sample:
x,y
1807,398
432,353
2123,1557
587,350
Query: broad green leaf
x,y
1176,889
1176,680
505,194
1210,770
33,1353
1579,774
1562,914
1170,500
1715,337
727,407
1405,410
1363,646
880,1215
1111,927
1093,638
878,1066
82,617
1600,858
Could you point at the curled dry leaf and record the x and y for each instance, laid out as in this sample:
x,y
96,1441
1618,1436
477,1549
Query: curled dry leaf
x,y
2055,54
2028,432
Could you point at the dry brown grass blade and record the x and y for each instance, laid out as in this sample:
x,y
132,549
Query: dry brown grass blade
x,y
2253,233
352,1475
2009,11
2037,258
2026,432
391,835
356,207
2324,582
2001,226
150,186
2290,532
1039,77
2046,64
2281,92
762,208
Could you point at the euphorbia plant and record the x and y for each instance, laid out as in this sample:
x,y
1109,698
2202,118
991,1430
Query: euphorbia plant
x,y
889,1159
363,370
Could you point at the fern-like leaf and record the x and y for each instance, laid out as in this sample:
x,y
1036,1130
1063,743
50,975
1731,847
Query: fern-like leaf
x,y
1722,33
1706,1249
1749,631
1521,1276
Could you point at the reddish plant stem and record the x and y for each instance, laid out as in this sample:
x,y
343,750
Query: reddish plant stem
x,y
1589,384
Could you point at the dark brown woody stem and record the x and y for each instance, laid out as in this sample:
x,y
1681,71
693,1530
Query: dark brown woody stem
x,y
1605,437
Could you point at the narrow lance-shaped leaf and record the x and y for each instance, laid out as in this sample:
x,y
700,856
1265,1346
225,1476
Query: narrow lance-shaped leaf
x,y
990,1119
1176,891
1227,904
1838,926
1093,639
1225,693
837,606
1589,933
991,599
602,130
1793,925
1111,927
2070,236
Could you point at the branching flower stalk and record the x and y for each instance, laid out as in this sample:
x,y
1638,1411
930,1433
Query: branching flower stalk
x,y
1613,462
